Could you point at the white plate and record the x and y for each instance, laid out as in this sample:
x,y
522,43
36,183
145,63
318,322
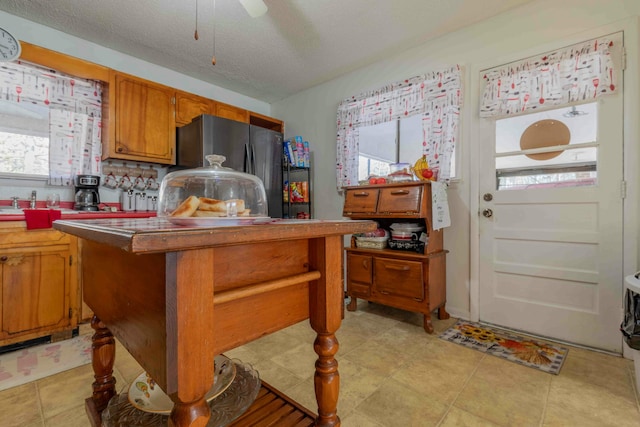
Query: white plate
x,y
216,221
147,396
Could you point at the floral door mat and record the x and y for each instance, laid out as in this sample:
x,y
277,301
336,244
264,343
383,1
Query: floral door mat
x,y
507,345
33,363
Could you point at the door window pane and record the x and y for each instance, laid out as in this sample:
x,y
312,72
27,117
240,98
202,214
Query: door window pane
x,y
532,150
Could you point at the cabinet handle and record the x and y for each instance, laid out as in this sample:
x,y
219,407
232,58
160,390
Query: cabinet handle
x,y
361,194
397,267
365,264
400,192
4,258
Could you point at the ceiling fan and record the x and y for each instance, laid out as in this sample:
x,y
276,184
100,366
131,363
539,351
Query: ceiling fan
x,y
254,8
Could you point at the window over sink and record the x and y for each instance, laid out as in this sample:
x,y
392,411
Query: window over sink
x,y
50,124
24,140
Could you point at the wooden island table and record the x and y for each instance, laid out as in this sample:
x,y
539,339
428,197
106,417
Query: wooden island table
x,y
177,296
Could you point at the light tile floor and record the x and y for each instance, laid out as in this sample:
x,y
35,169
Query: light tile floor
x,y
392,374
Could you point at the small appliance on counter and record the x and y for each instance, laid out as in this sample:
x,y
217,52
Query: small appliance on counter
x,y
87,196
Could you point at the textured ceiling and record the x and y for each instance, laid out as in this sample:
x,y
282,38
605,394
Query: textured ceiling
x,y
297,44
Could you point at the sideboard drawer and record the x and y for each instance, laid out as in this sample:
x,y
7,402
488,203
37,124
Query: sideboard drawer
x,y
400,200
360,200
399,277
360,268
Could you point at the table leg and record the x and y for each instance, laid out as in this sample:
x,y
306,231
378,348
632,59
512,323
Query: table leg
x,y
103,354
325,315
190,335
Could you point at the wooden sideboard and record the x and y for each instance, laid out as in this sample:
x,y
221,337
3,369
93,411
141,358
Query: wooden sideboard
x,y
177,296
408,280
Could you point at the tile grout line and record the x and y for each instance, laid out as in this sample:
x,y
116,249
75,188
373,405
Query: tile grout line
x,y
546,403
632,374
40,410
444,416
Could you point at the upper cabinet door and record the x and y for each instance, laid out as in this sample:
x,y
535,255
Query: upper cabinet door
x,y
232,113
190,106
144,121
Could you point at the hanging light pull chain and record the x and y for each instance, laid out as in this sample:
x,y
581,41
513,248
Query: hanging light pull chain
x,y
213,58
195,35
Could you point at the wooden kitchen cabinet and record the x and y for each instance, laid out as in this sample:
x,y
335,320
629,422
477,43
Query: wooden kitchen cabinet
x,y
39,283
145,123
232,113
406,280
190,106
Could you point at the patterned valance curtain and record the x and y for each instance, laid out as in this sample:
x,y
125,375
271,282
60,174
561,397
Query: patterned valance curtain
x,y
575,74
437,96
75,116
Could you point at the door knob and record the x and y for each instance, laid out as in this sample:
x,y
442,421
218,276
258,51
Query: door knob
x,y
487,197
487,213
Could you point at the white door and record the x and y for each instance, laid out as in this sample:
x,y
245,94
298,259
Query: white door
x,y
551,253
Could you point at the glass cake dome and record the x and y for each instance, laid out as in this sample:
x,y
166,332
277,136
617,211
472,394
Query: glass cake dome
x,y
211,193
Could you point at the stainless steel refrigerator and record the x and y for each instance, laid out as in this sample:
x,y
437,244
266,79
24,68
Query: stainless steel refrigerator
x,y
248,148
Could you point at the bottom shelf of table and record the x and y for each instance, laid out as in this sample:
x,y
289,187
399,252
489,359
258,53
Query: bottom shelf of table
x,y
271,407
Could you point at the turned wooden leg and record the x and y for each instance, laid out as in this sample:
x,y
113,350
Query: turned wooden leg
x,y
442,313
325,305
326,380
353,304
194,414
103,354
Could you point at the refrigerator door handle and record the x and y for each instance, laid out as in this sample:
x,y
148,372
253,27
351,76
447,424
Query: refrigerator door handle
x,y
247,159
254,169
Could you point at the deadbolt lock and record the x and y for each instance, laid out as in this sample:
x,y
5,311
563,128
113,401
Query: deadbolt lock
x,y
487,197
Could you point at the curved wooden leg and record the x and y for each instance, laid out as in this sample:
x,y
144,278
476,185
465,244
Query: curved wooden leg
x,y
353,304
442,313
103,354
428,326
327,380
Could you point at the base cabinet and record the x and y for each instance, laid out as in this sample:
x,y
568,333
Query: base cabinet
x,y
403,279
38,279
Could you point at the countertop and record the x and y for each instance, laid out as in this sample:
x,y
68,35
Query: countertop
x,y
67,212
161,235
84,215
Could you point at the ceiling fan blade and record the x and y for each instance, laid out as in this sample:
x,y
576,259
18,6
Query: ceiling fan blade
x,y
254,8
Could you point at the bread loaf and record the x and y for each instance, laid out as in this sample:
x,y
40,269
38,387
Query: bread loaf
x,y
214,205
186,208
239,204
207,207
201,214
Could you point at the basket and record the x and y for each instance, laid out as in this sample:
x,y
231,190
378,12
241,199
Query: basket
x,y
371,242
407,245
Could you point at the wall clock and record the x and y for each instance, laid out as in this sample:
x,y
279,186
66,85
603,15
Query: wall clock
x,y
9,46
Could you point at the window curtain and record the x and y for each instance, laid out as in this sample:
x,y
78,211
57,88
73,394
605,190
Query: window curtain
x,y
75,116
437,96
575,74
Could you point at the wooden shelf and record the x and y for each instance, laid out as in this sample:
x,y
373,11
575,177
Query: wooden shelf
x,y
397,252
272,407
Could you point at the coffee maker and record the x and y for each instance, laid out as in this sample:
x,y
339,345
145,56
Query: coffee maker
x,y
87,196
